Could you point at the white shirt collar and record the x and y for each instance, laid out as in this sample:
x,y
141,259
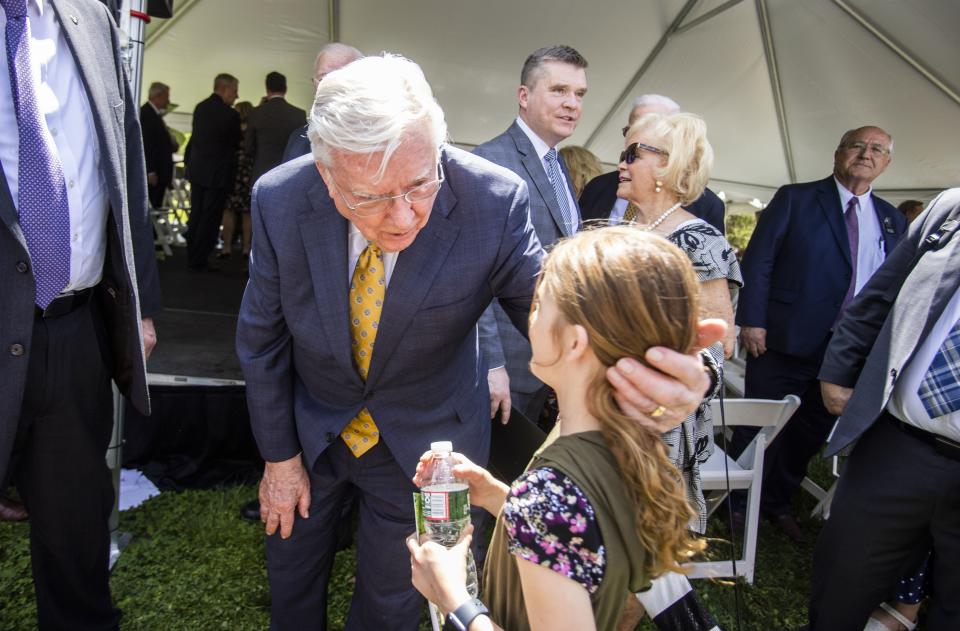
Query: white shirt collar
x,y
538,144
846,195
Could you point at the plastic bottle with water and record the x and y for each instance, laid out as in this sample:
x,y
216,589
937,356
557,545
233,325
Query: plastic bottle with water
x,y
446,507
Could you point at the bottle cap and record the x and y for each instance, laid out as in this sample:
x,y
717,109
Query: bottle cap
x,y
441,445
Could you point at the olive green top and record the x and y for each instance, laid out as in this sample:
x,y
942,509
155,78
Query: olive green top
x,y
584,458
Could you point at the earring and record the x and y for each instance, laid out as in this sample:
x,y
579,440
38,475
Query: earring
x,y
659,186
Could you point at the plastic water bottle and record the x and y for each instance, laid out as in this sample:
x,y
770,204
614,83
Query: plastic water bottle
x,y
446,507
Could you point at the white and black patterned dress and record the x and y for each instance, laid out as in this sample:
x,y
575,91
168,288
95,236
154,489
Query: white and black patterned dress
x,y
692,442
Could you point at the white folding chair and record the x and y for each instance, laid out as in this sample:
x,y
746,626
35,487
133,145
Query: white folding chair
x,y
746,472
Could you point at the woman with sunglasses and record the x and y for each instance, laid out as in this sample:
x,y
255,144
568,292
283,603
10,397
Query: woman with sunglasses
x,y
666,165
600,509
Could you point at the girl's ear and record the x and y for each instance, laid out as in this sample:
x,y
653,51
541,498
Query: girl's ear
x,y
577,341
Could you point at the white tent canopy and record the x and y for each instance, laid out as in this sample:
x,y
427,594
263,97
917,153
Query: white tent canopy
x,y
778,81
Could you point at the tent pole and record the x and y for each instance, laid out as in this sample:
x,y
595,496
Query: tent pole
x,y
771,57
677,21
333,20
709,14
181,10
900,51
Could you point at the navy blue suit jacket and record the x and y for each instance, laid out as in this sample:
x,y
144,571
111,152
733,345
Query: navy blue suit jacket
x,y
600,194
796,269
427,381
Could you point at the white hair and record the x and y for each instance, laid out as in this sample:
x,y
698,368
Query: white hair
x,y
340,50
653,103
368,106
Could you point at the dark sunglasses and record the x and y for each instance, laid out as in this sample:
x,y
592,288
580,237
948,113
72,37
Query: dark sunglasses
x,y
630,154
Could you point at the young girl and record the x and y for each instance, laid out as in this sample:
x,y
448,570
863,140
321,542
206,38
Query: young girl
x,y
601,510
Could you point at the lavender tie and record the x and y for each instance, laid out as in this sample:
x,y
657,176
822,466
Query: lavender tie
x,y
42,198
853,236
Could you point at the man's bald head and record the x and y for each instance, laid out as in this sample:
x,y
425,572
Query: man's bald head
x,y
332,57
652,104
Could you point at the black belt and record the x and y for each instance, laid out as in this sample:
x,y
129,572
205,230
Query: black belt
x,y
62,305
943,445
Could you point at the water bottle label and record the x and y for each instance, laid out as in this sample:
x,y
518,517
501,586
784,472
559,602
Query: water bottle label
x,y
446,505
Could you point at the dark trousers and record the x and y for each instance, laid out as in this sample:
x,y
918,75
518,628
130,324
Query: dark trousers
x,y
61,472
897,498
299,567
206,210
774,375
155,194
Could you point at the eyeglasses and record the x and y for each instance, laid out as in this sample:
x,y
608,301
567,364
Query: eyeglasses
x,y
371,207
875,149
630,154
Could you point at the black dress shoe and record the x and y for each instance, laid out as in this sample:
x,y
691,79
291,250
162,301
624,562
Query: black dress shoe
x,y
251,511
788,526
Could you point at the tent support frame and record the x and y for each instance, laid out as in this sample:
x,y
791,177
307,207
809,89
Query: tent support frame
x,y
770,53
706,16
899,50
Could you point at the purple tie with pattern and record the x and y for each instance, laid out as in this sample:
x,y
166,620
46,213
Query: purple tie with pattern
x,y
853,237
42,198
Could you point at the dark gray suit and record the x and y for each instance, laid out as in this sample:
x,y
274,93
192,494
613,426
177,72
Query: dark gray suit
x,y
898,495
426,381
501,342
268,128
63,476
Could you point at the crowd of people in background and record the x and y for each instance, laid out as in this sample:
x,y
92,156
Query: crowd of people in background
x,y
402,291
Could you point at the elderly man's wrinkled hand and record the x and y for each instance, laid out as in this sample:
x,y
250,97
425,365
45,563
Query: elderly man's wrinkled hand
x,y
284,489
659,397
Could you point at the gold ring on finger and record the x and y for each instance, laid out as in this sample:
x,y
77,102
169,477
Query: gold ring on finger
x,y
658,411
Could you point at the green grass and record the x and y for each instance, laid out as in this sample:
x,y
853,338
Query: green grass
x,y
193,564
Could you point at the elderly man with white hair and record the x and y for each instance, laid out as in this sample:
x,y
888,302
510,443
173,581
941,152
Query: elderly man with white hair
x,y
372,260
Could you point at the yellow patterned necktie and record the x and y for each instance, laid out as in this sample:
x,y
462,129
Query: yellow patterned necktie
x,y
367,290
630,214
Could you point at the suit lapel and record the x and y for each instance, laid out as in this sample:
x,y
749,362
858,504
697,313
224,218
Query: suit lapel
x,y
412,279
536,174
829,200
324,234
8,212
885,219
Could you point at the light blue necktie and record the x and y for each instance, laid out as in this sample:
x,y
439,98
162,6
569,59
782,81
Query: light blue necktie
x,y
559,190
42,197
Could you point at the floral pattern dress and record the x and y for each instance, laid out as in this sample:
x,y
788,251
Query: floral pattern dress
x,y
550,522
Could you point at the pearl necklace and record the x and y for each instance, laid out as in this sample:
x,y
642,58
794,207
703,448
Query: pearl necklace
x,y
659,220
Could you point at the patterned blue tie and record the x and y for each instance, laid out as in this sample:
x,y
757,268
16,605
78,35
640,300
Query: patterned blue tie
x,y
559,189
42,198
940,389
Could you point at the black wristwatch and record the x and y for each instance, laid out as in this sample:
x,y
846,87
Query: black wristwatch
x,y
460,618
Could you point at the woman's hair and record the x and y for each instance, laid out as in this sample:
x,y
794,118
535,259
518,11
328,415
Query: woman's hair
x,y
583,166
243,109
632,290
684,137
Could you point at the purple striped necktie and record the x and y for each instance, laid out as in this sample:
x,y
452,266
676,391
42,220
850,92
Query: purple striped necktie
x,y
853,237
42,197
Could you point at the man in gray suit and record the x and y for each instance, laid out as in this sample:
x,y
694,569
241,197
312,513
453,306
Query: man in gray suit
x,y
385,235
79,286
892,372
553,83
270,125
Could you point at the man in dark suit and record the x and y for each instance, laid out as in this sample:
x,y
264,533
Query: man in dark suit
x,y
157,145
892,374
815,246
383,235
553,83
270,125
211,159
331,57
599,197
79,286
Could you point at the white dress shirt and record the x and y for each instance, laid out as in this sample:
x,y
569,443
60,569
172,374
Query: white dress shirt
x,y
619,208
871,252
66,111
904,402
541,148
356,244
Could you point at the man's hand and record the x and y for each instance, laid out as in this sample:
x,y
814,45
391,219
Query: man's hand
x,y
285,486
499,382
835,397
149,337
659,398
754,339
152,179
